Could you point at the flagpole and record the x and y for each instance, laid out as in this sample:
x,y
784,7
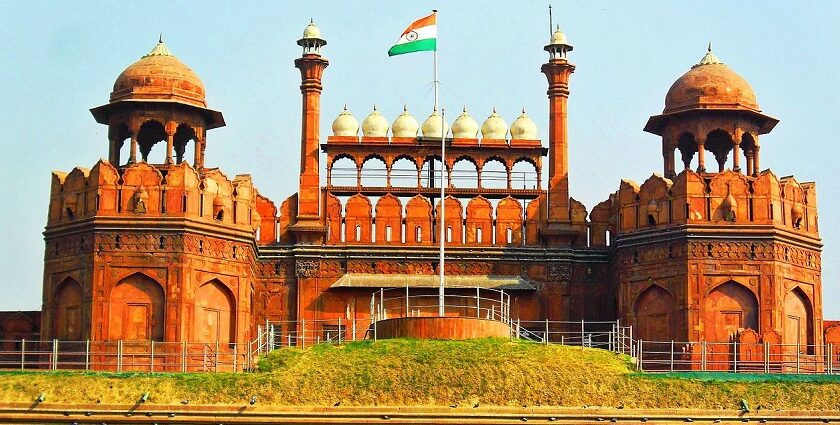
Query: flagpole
x,y
443,232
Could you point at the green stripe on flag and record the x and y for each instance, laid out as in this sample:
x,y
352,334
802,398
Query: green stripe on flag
x,y
414,46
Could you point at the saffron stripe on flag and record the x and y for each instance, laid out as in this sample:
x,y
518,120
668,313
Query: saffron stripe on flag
x,y
422,22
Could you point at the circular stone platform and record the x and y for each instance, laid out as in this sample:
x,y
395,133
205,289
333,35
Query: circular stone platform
x,y
435,327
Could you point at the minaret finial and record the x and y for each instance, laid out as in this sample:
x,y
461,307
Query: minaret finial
x,y
311,20
710,47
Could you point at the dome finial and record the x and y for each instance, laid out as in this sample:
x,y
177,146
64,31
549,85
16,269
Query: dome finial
x,y
710,47
709,58
405,107
160,39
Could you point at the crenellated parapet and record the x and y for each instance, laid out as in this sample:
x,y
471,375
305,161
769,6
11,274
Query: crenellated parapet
x,y
727,200
144,192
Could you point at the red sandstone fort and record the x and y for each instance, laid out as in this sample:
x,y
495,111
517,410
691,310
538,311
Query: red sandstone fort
x,y
711,247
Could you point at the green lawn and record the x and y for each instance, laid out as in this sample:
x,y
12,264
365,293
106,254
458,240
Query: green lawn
x,y
426,372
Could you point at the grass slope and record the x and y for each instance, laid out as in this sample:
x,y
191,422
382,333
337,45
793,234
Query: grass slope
x,y
426,372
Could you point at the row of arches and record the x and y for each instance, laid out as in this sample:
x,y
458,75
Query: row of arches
x,y
462,172
391,222
176,135
719,143
727,309
136,311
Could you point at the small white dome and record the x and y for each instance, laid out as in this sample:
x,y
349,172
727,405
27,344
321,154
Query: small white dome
x,y
523,128
431,127
311,31
464,127
375,125
558,37
405,125
345,124
494,127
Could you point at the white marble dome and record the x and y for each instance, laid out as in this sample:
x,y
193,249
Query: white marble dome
x,y
375,125
464,127
345,124
523,128
405,125
494,127
432,126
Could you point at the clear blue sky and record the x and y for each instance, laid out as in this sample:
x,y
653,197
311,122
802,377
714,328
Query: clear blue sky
x,y
60,58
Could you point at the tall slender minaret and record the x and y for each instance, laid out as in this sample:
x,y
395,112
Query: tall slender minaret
x,y
308,226
558,70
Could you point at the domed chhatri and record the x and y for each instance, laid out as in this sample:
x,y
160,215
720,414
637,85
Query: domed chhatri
x,y
432,126
159,75
710,85
494,127
523,128
405,125
345,124
375,125
464,127
311,31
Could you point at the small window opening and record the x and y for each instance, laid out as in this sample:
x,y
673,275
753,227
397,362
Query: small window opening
x,y
70,214
220,215
160,242
387,233
509,235
449,234
358,233
478,235
651,221
418,234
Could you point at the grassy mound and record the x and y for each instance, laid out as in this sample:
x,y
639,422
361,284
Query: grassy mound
x,y
425,372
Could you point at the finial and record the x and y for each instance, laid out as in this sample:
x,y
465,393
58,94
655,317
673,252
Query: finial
x,y
405,107
710,47
465,109
311,21
345,106
494,109
523,110
375,108
160,39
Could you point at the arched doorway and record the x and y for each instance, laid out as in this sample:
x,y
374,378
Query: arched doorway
x,y
728,308
214,314
67,322
136,310
798,322
654,321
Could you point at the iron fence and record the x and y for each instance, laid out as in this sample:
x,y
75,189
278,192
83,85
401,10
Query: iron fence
x,y
737,357
124,356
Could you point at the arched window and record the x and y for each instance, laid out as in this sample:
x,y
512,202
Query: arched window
x,y
418,234
449,233
478,235
509,235
388,234
358,232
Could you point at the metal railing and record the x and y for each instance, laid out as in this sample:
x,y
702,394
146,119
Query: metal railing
x,y
305,333
482,303
607,335
124,356
737,357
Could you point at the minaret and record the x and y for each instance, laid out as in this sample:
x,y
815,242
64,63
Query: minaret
x,y
558,70
308,226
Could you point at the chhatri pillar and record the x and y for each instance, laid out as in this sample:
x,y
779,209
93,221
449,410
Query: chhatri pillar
x,y
558,70
309,226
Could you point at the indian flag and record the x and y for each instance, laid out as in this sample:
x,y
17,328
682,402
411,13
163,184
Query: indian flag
x,y
420,36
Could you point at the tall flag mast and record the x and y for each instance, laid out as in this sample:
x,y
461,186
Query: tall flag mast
x,y
421,36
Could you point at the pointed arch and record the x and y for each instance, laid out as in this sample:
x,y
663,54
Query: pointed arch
x,y
334,218
454,214
357,219
653,312
136,309
214,314
509,222
389,220
479,221
799,321
729,308
67,319
418,220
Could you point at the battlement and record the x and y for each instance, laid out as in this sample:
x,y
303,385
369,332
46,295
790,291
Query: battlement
x,y
142,191
722,199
